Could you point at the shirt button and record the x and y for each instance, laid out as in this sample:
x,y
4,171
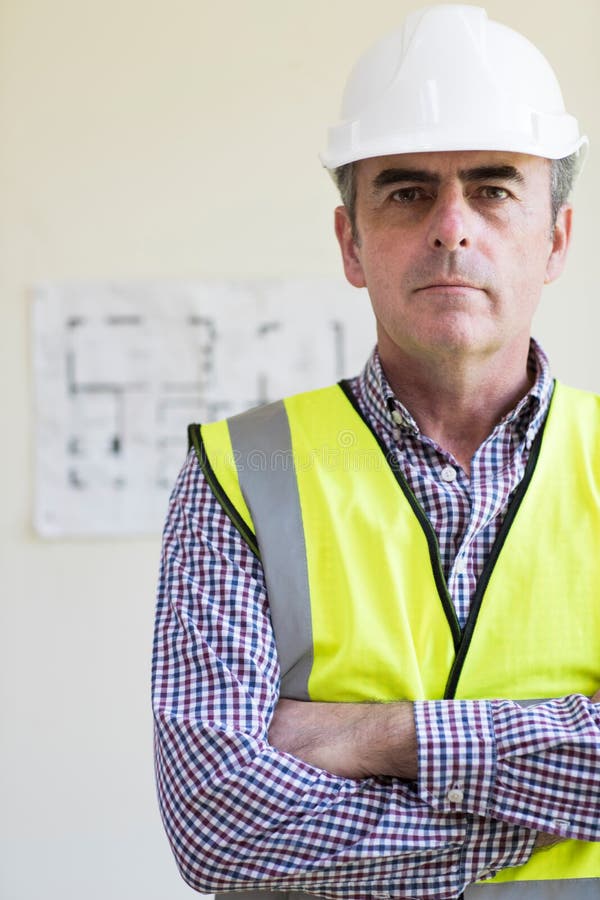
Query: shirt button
x,y
448,474
455,795
461,565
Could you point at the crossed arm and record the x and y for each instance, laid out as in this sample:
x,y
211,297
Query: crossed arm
x,y
245,806
352,740
358,740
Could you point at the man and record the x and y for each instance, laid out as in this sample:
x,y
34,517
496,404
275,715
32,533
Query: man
x,y
433,547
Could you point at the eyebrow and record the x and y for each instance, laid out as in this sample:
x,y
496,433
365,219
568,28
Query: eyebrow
x,y
425,176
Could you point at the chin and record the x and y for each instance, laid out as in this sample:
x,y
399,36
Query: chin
x,y
458,333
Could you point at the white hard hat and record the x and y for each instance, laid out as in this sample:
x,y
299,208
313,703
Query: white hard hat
x,y
451,79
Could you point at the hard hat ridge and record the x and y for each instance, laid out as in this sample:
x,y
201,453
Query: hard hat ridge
x,y
451,79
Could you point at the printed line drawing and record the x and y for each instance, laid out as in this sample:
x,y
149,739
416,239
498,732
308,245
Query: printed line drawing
x,y
122,369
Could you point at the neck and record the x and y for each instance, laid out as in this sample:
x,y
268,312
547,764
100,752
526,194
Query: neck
x,y
456,402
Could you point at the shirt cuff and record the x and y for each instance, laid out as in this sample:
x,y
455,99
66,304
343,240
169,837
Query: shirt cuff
x,y
457,755
493,846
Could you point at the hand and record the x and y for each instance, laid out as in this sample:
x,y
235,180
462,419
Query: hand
x,y
544,841
354,740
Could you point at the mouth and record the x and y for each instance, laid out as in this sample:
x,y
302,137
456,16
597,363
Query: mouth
x,y
449,287
449,284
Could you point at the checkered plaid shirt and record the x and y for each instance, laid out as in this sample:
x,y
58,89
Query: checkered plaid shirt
x,y
240,814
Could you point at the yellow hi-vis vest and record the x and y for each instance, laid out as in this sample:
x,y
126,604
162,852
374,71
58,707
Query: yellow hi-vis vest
x,y
358,599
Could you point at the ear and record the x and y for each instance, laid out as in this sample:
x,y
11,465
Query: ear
x,y
348,246
561,239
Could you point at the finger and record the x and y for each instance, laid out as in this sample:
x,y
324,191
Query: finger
x,y
543,840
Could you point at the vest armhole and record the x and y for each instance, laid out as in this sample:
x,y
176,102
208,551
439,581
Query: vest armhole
x,y
196,441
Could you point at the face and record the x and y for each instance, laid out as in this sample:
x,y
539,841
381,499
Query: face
x,y
454,249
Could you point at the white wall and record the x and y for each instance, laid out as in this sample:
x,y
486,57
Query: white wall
x,y
153,139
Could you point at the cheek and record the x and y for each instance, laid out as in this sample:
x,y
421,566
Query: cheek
x,y
531,256
386,257
518,253
531,233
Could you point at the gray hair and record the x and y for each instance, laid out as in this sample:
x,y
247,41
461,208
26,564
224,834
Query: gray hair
x,y
562,176
345,180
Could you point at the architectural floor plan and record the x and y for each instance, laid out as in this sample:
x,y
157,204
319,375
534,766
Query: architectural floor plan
x,y
121,369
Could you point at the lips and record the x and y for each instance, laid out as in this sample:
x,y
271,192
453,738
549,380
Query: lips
x,y
446,285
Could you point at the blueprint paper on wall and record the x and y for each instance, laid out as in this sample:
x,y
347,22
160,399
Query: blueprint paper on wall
x,y
121,369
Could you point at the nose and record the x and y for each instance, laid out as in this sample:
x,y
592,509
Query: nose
x,y
450,221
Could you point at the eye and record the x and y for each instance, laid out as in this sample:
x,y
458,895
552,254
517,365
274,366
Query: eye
x,y
408,195
492,192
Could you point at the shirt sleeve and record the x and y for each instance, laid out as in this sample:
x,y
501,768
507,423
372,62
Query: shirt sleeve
x,y
240,814
536,766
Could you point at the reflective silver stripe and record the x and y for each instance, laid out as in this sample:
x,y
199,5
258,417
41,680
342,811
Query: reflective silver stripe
x,y
262,446
526,703
565,889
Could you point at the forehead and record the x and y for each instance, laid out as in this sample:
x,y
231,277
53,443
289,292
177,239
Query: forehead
x,y
454,163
